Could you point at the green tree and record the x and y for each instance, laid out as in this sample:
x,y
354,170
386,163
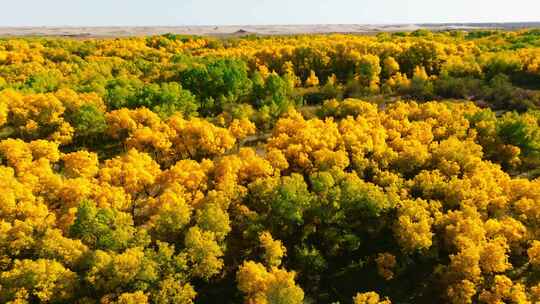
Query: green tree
x,y
88,121
103,228
165,99
217,82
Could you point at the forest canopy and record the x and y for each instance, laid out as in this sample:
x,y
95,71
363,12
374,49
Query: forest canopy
x,y
398,167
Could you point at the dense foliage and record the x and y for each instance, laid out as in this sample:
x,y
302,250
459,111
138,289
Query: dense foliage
x,y
271,170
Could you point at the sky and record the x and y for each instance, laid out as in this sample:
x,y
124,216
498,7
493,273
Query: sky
x,y
243,12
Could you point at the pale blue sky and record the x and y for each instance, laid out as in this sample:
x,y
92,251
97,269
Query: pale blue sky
x,y
238,12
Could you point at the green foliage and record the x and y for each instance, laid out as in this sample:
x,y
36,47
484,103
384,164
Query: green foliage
x,y
44,82
423,53
363,199
88,121
275,91
120,91
203,252
218,82
290,199
165,99
522,131
284,202
421,89
103,228
458,87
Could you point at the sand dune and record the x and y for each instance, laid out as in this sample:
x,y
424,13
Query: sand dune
x,y
81,32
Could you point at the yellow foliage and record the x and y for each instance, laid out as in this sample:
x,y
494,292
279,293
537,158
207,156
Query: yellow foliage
x,y
312,80
273,249
504,291
203,252
413,226
196,138
190,201
242,128
80,164
44,280
134,171
369,298
385,264
262,286
534,253
137,297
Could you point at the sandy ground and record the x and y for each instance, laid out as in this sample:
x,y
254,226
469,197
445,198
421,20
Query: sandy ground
x,y
81,32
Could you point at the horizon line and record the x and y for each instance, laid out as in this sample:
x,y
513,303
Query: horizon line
x,y
274,24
